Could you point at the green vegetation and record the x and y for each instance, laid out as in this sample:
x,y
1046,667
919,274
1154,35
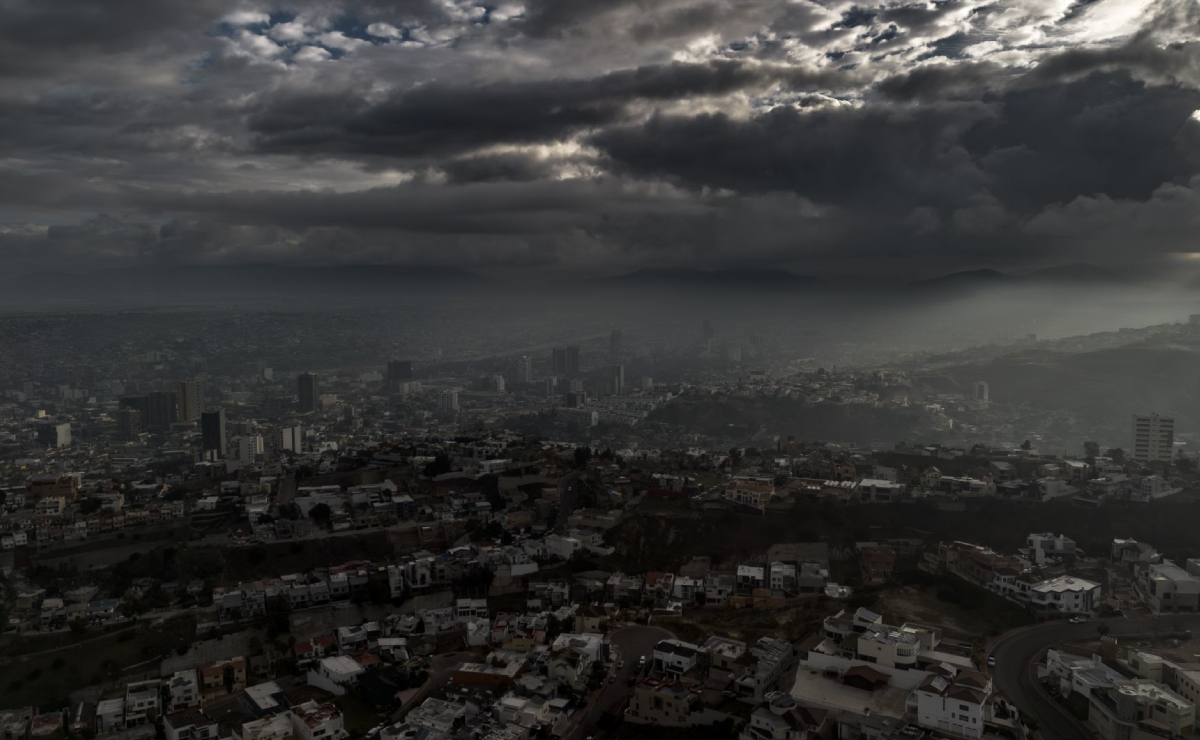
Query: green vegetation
x,y
992,612
47,679
665,535
725,730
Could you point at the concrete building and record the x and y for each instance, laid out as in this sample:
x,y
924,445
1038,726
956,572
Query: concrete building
x,y
1140,710
1165,587
1065,595
291,438
1153,438
961,706
212,432
313,721
335,674
308,387
188,400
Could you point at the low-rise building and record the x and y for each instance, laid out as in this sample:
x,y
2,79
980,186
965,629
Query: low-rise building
x,y
1167,588
961,706
1140,710
313,721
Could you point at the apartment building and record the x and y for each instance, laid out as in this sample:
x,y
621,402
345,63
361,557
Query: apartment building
x,y
1153,438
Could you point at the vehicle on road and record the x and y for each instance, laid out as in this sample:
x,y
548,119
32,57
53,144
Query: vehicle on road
x,y
620,664
991,661
1077,620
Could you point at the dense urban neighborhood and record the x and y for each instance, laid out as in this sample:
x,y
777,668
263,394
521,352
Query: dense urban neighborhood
x,y
565,547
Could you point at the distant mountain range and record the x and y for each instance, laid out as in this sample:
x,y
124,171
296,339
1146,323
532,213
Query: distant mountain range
x,y
728,278
192,282
1080,274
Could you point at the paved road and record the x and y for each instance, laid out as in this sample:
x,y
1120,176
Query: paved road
x,y
1015,654
630,643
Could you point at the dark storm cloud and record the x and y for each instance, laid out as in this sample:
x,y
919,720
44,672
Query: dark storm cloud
x,y
862,157
594,133
1105,134
940,81
440,119
1174,64
508,166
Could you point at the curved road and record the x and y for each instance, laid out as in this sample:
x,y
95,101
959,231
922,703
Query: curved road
x,y
1015,674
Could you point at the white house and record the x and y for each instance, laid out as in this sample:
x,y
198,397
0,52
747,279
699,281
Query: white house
x,y
675,657
959,706
1065,594
334,674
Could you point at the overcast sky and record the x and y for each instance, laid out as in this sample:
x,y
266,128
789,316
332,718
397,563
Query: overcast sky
x,y
556,136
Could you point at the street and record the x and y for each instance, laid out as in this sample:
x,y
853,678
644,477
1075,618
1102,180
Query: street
x,y
1015,677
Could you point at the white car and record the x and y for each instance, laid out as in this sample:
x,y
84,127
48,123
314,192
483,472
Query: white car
x,y
1077,620
991,661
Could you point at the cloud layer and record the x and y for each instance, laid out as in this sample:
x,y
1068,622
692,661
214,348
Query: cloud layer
x,y
891,138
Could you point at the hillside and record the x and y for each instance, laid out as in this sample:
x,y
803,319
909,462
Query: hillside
x,y
661,538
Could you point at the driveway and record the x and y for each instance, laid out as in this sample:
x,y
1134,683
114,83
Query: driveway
x,y
1016,653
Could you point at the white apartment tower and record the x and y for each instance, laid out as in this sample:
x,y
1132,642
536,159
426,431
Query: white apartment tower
x,y
1153,437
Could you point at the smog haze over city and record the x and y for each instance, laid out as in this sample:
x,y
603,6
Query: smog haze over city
x,y
599,369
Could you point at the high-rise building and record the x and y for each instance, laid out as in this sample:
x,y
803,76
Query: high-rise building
x,y
309,390
398,371
212,431
448,401
980,390
565,361
647,383
617,378
576,399
162,409
292,438
53,434
249,447
129,424
1153,437
706,329
614,345
188,400
141,404
524,369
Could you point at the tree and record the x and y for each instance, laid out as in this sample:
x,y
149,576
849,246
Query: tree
x,y
440,465
321,513
1091,449
582,456
1116,454
1027,445
1102,629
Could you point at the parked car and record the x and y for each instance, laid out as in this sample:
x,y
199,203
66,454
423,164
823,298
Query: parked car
x,y
991,661
1077,620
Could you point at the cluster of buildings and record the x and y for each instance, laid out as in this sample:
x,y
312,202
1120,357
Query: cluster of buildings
x,y
1150,696
1035,577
